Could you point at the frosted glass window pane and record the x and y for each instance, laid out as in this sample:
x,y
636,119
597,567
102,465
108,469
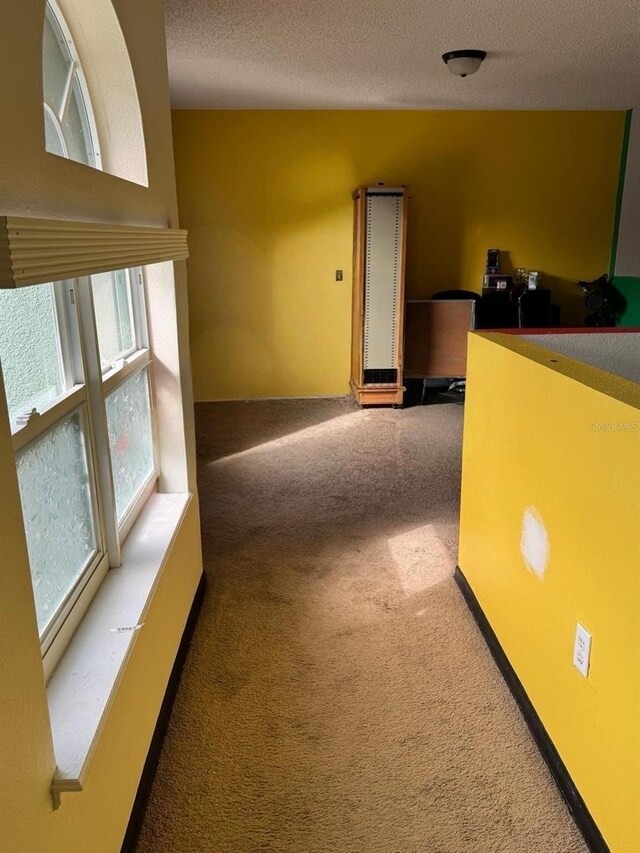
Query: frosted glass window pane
x,y
130,438
58,519
67,102
29,350
112,305
75,128
55,62
53,136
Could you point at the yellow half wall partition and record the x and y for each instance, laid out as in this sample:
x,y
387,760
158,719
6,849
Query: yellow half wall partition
x,y
549,538
266,198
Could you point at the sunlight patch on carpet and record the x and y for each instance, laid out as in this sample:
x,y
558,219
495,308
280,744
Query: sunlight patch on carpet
x,y
312,434
422,559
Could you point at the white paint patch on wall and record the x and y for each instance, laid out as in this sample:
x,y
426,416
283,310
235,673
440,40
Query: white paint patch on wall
x,y
534,544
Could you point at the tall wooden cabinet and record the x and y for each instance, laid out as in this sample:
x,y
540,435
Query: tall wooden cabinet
x,y
380,239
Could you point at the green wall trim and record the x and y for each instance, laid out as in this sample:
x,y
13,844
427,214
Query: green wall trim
x,y
629,287
621,176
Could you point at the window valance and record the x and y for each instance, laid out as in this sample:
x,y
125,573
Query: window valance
x,y
34,251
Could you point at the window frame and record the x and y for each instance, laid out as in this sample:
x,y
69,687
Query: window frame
x,y
73,400
96,567
100,385
85,392
75,74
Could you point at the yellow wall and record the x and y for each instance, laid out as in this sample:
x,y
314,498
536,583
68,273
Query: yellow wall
x,y
35,183
266,199
530,440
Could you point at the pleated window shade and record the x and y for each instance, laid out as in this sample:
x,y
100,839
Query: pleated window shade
x,y
34,251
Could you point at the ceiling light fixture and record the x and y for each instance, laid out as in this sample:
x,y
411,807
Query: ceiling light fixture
x,y
464,62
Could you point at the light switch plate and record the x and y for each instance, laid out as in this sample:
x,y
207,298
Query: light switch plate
x,y
582,650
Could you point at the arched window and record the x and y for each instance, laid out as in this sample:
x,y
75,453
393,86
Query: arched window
x,y
70,129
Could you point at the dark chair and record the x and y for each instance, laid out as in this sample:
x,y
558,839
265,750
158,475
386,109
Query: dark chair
x,y
457,294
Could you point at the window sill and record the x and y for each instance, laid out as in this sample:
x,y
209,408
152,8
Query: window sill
x,y
85,681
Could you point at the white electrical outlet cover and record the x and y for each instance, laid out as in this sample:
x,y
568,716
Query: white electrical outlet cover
x,y
582,650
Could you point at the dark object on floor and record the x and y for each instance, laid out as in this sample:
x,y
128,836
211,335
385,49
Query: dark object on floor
x,y
433,392
570,793
414,390
456,391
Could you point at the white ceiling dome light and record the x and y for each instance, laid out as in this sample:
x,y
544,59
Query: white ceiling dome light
x,y
464,62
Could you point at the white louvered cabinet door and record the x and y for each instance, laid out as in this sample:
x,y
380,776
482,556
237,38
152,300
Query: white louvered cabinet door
x,y
378,295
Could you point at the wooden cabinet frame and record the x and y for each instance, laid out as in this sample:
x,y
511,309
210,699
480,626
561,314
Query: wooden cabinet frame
x,y
377,384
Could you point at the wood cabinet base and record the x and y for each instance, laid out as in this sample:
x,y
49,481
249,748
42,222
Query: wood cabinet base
x,y
377,395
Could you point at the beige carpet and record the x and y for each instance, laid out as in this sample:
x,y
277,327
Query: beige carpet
x,y
338,697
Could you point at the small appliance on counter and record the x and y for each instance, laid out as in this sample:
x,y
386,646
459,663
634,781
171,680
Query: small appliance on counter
x,y
493,278
513,301
496,281
493,261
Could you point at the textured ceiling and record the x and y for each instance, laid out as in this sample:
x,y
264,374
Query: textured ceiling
x,y
385,54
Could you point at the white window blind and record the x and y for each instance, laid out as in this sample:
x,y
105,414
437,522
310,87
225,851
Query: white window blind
x,y
37,251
